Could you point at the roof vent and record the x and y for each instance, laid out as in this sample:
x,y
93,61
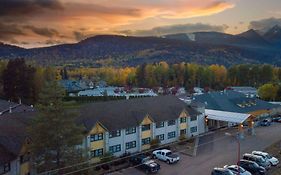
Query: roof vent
x,y
10,109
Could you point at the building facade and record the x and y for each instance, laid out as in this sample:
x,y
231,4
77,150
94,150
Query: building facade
x,y
129,126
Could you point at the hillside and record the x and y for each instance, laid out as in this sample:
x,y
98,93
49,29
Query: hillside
x,y
199,47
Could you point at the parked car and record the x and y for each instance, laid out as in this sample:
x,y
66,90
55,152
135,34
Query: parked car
x,y
252,167
265,122
277,119
221,171
258,159
235,168
145,163
273,161
166,155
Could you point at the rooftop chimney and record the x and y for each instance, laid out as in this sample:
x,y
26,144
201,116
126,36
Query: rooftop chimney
x,y
10,110
20,101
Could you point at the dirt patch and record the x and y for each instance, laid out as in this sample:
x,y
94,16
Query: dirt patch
x,y
275,150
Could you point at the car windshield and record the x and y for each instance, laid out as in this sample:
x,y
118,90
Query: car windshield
x,y
168,153
241,170
255,165
268,156
235,169
260,159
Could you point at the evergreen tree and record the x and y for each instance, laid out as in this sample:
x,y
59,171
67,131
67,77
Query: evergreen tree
x,y
18,81
54,134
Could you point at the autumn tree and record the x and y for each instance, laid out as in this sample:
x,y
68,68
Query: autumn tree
x,y
268,91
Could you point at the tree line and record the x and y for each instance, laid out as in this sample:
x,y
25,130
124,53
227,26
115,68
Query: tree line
x,y
19,80
188,75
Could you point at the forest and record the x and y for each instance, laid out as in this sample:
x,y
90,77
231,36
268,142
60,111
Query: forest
x,y
19,79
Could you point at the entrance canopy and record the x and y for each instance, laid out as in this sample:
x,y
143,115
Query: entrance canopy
x,y
233,117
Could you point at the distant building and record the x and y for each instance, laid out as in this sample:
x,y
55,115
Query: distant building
x,y
247,90
198,91
73,85
234,102
115,92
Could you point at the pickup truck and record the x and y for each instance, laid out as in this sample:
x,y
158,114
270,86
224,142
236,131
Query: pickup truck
x,y
166,155
145,163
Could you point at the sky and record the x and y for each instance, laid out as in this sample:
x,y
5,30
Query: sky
x,y
39,23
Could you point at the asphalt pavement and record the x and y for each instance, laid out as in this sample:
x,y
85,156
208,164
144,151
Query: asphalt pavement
x,y
215,150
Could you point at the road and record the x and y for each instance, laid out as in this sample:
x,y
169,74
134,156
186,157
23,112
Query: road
x,y
216,150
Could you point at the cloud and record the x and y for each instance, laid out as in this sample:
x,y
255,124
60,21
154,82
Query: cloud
x,y
172,29
79,35
98,17
27,7
47,32
53,42
264,24
9,31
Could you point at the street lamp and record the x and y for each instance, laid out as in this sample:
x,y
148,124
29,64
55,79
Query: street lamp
x,y
238,154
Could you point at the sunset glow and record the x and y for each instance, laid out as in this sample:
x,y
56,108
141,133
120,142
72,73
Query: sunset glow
x,y
35,23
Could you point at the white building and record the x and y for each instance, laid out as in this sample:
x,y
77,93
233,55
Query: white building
x,y
126,126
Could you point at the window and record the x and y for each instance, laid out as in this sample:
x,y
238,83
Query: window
x,y
183,120
159,124
171,134
97,152
4,168
96,137
130,145
193,129
183,131
145,127
115,148
193,118
145,141
171,122
130,130
116,133
160,137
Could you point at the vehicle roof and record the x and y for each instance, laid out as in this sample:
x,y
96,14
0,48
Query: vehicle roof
x,y
260,152
220,169
247,161
251,155
165,150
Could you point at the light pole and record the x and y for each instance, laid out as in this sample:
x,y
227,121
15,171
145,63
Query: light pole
x,y
238,153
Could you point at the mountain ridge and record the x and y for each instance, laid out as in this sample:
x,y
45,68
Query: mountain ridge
x,y
199,47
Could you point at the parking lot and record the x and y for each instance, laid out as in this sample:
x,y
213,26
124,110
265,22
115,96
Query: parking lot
x,y
215,150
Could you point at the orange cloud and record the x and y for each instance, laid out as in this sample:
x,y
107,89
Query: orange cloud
x,y
104,16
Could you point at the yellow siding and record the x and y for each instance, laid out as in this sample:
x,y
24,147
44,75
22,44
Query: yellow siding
x,y
184,114
98,128
97,144
183,126
147,120
100,144
25,168
146,134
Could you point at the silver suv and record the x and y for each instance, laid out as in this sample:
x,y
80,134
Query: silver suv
x,y
258,159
